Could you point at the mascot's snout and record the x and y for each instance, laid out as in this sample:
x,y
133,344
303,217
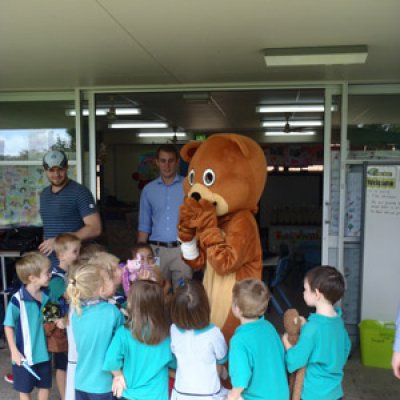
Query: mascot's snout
x,y
196,196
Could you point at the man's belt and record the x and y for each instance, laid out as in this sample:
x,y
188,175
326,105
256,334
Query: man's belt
x,y
164,244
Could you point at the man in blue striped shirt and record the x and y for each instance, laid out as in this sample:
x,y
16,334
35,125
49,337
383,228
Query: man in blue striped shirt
x,y
159,215
65,206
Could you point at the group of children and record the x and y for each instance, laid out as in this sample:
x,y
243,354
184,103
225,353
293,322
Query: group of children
x,y
130,351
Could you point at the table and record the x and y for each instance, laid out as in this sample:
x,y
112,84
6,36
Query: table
x,y
3,255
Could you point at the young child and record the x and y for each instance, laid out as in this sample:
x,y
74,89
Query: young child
x,y
67,247
110,265
88,250
111,273
324,344
143,266
23,327
140,353
256,354
199,346
94,322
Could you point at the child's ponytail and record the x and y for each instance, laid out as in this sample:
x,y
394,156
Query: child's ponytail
x,y
84,284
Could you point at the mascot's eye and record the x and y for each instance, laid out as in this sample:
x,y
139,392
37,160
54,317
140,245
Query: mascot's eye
x,y
191,177
209,177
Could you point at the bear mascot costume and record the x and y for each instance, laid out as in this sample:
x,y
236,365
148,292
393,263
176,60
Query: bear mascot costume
x,y
217,227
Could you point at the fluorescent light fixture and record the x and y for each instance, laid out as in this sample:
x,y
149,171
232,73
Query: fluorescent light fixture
x,y
137,124
316,56
299,133
293,108
104,111
162,134
281,124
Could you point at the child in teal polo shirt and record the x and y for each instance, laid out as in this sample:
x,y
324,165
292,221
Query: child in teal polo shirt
x,y
94,322
256,354
23,326
67,247
324,344
140,352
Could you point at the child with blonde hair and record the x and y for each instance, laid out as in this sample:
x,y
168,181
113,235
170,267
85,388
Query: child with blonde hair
x,y
67,247
94,322
199,346
110,271
256,354
140,353
88,250
23,327
110,264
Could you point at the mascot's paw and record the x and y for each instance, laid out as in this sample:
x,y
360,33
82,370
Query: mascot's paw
x,y
206,216
187,211
195,217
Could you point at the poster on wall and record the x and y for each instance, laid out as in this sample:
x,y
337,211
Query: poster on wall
x,y
294,155
20,188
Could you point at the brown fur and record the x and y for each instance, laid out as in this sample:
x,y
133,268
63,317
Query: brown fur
x,y
223,220
292,325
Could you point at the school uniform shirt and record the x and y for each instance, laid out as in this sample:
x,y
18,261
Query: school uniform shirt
x,y
93,331
25,315
197,353
57,286
145,367
257,362
323,348
72,361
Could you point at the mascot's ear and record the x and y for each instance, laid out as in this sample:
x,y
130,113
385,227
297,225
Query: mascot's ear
x,y
238,140
188,150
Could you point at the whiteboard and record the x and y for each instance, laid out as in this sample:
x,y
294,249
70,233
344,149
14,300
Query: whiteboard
x,y
380,291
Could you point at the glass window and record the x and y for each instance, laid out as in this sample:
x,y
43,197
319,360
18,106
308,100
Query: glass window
x,y
374,126
27,131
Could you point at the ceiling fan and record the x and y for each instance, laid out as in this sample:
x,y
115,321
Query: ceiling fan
x,y
111,113
175,140
289,129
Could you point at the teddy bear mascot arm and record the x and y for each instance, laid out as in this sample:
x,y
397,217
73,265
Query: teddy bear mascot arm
x,y
217,227
292,323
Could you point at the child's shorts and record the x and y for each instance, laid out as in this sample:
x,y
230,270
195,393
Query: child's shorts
x,y
24,381
60,361
79,395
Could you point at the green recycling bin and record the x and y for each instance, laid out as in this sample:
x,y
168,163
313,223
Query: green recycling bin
x,y
377,339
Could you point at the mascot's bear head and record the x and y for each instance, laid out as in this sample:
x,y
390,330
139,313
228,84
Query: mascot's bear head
x,y
229,170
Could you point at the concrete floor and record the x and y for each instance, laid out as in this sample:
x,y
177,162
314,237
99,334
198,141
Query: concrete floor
x,y
360,383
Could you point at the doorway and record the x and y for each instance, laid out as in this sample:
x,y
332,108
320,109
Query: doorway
x,y
291,138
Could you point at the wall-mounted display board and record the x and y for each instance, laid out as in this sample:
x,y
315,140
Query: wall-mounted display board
x,y
380,289
20,188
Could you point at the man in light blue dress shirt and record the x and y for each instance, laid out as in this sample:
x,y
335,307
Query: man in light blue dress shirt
x,y
159,215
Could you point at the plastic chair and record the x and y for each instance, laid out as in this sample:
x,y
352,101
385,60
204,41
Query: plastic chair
x,y
282,271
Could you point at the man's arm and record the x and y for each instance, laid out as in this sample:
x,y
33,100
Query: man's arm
x,y
90,230
142,237
144,227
